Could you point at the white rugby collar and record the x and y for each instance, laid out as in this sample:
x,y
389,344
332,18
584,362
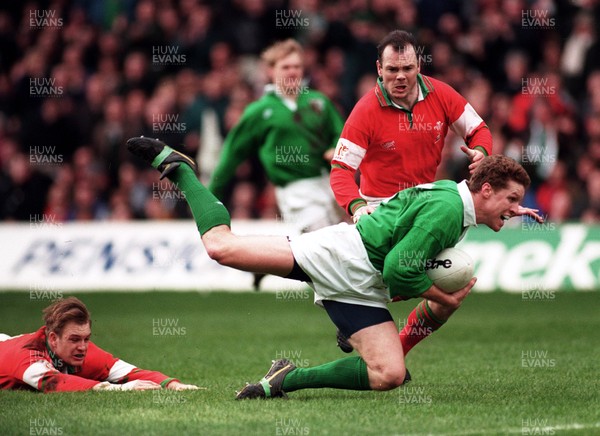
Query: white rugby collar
x,y
469,218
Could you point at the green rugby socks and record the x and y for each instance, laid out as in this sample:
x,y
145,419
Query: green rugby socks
x,y
347,373
208,211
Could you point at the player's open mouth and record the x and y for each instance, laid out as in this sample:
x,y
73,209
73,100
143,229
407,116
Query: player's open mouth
x,y
79,356
505,217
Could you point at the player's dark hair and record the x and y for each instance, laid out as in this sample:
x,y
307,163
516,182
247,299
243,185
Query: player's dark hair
x,y
63,311
398,39
498,171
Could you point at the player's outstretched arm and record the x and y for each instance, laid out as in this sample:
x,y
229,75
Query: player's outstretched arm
x,y
178,386
135,385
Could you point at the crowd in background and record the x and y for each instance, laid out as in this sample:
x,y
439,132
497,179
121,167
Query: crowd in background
x,y
78,78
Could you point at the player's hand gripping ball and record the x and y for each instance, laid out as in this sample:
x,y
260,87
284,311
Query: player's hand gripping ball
x,y
450,270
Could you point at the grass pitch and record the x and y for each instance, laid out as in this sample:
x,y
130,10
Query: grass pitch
x,y
502,365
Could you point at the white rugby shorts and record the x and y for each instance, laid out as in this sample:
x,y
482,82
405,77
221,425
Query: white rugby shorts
x,y
308,204
337,262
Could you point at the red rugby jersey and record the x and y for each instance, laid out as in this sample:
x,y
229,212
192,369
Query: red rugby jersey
x,y
26,363
396,148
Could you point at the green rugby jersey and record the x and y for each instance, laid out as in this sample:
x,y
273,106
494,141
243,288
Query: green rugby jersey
x,y
411,227
290,144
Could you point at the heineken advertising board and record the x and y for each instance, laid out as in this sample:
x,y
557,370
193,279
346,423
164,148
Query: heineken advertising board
x,y
544,257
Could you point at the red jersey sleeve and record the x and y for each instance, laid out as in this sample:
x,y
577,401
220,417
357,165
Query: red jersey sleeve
x,y
464,120
102,366
349,153
42,375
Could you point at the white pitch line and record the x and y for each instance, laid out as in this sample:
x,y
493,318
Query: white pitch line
x,y
547,430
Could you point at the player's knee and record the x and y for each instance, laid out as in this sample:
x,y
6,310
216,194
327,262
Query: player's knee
x,y
389,378
217,249
395,378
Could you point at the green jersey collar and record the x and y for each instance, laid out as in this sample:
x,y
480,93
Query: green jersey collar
x,y
423,84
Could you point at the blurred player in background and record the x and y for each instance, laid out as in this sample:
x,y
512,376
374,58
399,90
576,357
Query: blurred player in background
x,y
395,134
293,130
356,270
61,357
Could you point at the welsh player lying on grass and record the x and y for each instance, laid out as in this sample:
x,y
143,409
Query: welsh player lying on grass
x,y
61,357
355,270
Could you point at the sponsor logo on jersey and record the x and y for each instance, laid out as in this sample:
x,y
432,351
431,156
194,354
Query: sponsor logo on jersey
x,y
438,128
317,105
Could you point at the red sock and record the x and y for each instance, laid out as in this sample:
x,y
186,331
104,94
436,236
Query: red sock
x,y
420,323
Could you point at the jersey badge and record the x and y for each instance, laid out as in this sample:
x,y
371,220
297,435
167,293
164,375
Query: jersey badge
x,y
390,145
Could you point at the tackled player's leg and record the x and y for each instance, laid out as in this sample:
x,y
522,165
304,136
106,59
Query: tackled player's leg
x,y
380,365
265,254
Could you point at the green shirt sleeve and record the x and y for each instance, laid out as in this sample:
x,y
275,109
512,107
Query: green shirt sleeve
x,y
240,143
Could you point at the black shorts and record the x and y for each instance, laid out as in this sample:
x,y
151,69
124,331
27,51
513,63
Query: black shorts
x,y
350,318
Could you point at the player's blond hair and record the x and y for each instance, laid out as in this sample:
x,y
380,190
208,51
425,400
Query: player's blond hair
x,y
63,311
279,50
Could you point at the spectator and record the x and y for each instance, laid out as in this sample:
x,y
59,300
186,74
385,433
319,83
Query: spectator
x,y
101,60
22,190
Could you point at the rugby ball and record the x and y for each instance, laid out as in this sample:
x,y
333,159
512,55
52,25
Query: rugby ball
x,y
450,270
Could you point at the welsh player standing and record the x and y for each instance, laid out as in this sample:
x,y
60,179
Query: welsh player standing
x,y
395,133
